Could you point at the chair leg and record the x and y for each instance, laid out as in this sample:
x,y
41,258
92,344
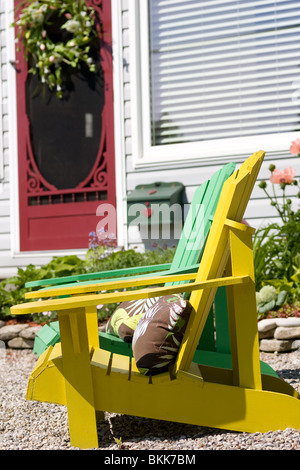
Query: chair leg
x,y
242,315
78,378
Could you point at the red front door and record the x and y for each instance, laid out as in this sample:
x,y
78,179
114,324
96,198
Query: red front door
x,y
66,151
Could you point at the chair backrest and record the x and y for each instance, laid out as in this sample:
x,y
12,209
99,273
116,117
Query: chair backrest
x,y
191,242
199,219
232,204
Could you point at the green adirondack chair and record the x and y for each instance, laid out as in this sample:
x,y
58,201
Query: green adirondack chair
x,y
186,259
89,380
214,347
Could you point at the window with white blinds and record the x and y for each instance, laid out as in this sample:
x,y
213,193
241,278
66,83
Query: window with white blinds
x,y
223,69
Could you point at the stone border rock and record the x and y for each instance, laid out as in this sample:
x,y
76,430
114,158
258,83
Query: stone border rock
x,y
18,336
279,334
275,335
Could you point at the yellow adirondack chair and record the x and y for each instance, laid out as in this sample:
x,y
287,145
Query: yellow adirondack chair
x,y
89,380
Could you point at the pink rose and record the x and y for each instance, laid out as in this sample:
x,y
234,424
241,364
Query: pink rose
x,y
280,177
51,58
276,176
288,174
295,147
42,47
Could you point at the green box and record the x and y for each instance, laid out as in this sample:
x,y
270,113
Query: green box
x,y
157,203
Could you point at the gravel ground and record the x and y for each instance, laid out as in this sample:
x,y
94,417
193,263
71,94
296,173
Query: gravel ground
x,y
28,425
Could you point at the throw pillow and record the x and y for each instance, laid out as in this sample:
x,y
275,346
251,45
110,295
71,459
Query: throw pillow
x,y
158,335
125,318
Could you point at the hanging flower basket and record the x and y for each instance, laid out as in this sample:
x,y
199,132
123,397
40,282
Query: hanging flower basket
x,y
56,35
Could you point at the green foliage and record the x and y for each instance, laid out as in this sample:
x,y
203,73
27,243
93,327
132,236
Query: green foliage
x,y
61,266
118,441
129,258
276,250
276,247
12,290
283,179
102,255
269,299
52,53
124,259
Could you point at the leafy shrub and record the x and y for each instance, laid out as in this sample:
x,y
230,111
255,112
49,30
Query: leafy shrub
x,y
269,299
12,290
276,250
276,247
120,259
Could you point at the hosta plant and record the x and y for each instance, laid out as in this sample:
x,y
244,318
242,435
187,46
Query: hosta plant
x,y
268,299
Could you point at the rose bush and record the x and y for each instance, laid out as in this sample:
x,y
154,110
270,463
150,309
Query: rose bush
x,y
277,245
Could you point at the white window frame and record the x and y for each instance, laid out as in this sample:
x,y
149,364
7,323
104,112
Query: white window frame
x,y
144,154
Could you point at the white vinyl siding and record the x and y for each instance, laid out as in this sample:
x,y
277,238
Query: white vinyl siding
x,y
4,144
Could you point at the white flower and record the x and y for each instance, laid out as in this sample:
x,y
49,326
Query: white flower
x,y
37,16
72,26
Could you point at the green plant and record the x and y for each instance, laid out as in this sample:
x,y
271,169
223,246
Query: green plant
x,y
61,266
99,249
276,247
277,244
12,290
284,179
100,257
103,255
296,266
269,299
56,35
118,441
287,310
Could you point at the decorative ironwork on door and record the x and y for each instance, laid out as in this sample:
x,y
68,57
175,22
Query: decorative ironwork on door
x,y
66,150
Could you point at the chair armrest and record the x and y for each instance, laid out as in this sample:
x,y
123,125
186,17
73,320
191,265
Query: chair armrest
x,y
92,300
98,275
117,283
109,285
